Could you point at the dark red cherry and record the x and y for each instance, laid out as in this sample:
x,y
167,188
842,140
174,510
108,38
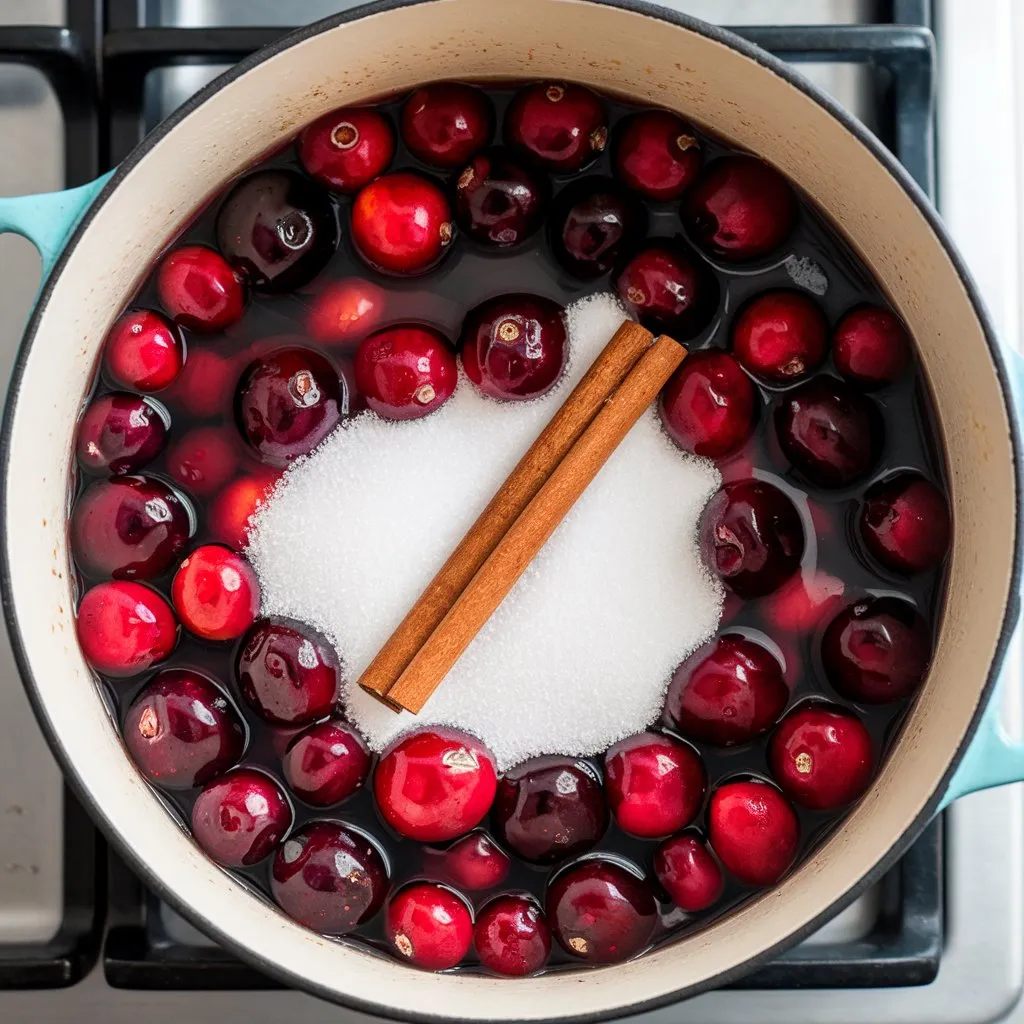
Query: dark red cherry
x,y
500,201
829,432
329,876
871,346
474,863
429,926
143,351
216,593
821,756
119,433
550,808
327,763
689,873
511,936
667,287
751,537
780,336
203,460
278,229
200,289
656,153
347,148
560,125
345,311
905,523
513,347
739,208
600,911
876,650
728,691
182,731
445,124
129,527
205,386
228,515
709,405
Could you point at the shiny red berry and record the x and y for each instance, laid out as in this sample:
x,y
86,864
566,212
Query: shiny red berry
x,y
216,593
445,124
871,346
429,926
803,601
560,125
345,311
474,863
689,873
119,433
200,289
205,386
656,153
347,148
203,460
499,200
326,763
143,351
780,336
228,515
905,523
511,936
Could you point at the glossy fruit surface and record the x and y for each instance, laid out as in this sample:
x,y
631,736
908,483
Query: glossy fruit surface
x,y
216,593
512,937
347,148
656,153
561,125
344,312
326,763
905,523
445,124
429,926
200,289
780,336
229,513
871,346
475,863
500,201
689,873
143,351
119,433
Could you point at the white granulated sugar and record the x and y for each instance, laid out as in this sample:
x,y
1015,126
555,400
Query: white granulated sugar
x,y
580,653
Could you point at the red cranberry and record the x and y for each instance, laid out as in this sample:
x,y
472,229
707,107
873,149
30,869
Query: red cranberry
x,y
203,461
345,311
821,757
550,808
709,405
239,818
182,731
206,384
124,628
560,125
446,123
227,517
512,937
513,347
829,432
780,336
278,229
429,926
130,527
689,873
326,764
656,153
803,601
655,785
667,287
500,201
601,912
347,148
200,289
143,351
406,372
434,784
329,877
593,222
739,208
401,223
119,433
216,593
475,863
751,537
871,346
876,650
726,692
905,523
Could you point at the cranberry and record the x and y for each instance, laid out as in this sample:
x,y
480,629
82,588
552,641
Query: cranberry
x,y
429,926
405,372
511,936
550,808
726,692
500,201
203,461
229,514
182,731
655,785
751,537
347,148
656,153
475,863
600,911
130,527
327,763
119,433
205,385
446,123
780,336
345,311
871,346
216,593
143,351
200,289
239,818
401,224
560,125
876,650
709,405
434,784
739,208
593,222
278,229
803,601
329,877
829,432
514,346
689,873
667,287
821,757
905,523
124,628
753,830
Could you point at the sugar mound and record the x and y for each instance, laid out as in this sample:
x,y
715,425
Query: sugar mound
x,y
580,653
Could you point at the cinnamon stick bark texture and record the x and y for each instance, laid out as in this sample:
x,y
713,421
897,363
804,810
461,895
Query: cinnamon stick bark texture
x,y
530,531
617,358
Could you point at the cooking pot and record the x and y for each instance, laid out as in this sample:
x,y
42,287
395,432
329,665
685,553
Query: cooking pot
x,y
97,242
